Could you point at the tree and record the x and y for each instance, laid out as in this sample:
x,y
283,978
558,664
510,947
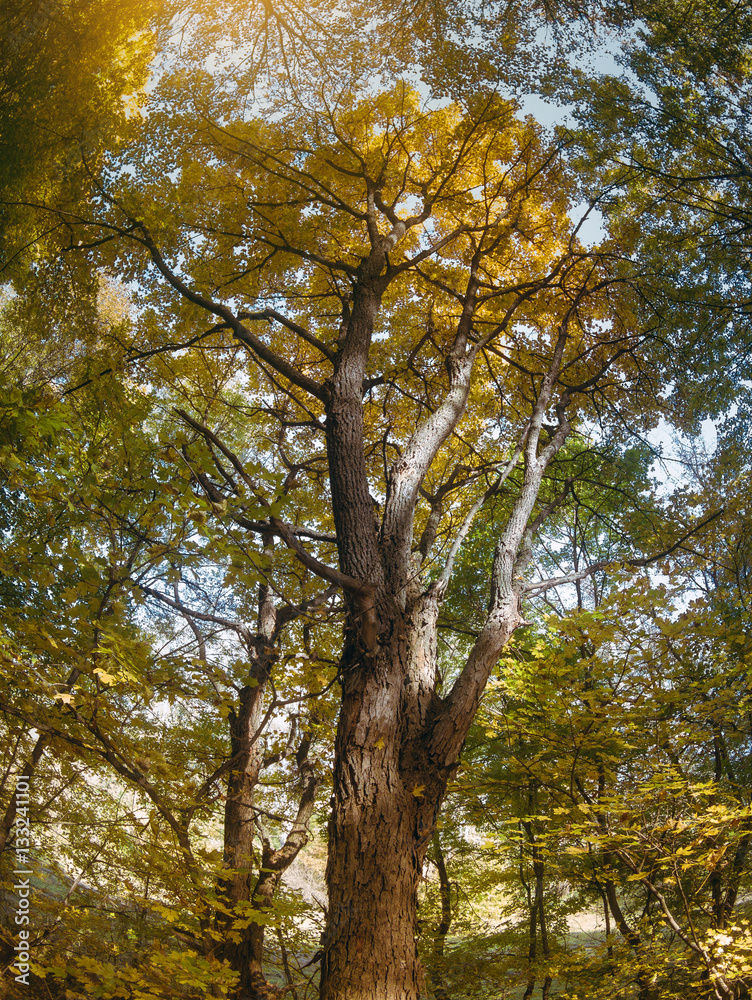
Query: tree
x,y
70,78
666,144
411,261
87,539
631,791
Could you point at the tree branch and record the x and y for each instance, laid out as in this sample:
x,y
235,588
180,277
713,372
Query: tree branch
x,y
558,581
240,332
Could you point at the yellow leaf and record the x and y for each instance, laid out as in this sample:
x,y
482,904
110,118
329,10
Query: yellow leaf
x,y
104,677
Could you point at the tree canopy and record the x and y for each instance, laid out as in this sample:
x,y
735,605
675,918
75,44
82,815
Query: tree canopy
x,y
334,523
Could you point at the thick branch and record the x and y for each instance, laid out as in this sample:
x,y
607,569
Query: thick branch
x,y
410,469
504,614
348,583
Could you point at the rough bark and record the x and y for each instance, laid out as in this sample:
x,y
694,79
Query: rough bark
x,y
391,773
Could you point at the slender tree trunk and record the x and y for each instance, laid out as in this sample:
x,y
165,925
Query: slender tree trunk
x,y
532,902
631,936
274,863
536,903
42,742
246,750
539,866
607,921
237,882
9,817
531,951
439,938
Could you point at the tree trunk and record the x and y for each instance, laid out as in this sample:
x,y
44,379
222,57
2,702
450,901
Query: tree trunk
x,y
237,881
439,938
246,750
631,936
372,876
9,817
383,811
274,863
397,745
388,787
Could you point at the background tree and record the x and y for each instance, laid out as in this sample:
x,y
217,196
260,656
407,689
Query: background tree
x,y
70,78
91,531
